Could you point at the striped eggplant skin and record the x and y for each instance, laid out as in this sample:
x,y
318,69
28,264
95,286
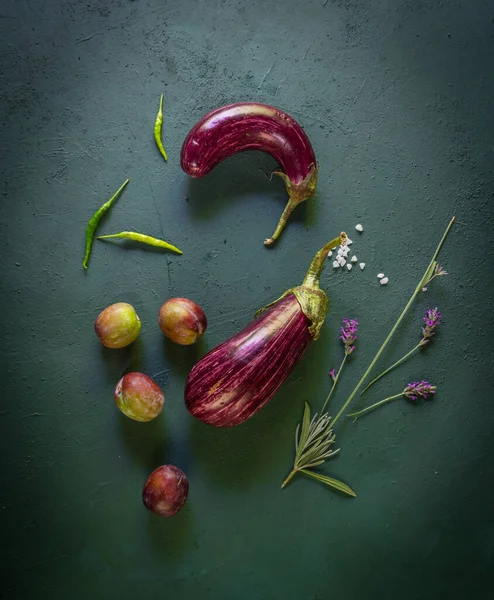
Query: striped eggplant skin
x,y
236,379
247,126
254,126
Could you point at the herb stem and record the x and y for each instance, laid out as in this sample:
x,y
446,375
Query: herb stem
x,y
334,384
287,479
396,325
394,365
361,412
429,280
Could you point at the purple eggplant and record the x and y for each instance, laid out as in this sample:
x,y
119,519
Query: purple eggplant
x,y
254,126
237,378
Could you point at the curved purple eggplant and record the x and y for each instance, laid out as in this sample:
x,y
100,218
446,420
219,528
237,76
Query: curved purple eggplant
x,y
238,377
254,126
235,380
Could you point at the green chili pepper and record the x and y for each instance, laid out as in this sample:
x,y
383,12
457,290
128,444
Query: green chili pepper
x,y
95,219
157,129
140,237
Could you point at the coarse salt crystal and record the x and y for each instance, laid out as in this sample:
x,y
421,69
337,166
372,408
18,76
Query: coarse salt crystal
x,y
349,266
345,251
330,254
424,289
349,241
380,275
340,251
336,264
342,262
384,281
359,227
354,258
362,266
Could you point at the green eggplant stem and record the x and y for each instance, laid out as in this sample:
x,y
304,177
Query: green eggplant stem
x,y
315,270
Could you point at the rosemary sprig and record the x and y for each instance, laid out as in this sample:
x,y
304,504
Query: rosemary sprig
x,y
313,443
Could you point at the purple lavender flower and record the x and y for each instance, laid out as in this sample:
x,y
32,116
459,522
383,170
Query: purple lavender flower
x,y
348,335
432,320
417,389
332,374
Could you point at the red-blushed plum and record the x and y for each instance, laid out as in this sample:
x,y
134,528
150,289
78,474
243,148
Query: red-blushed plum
x,y
118,325
139,397
182,321
165,491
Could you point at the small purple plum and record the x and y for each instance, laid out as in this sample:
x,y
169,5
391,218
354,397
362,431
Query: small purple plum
x,y
165,491
139,397
182,321
118,325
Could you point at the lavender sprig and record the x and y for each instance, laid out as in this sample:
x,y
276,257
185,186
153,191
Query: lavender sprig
x,y
348,335
413,391
419,389
432,320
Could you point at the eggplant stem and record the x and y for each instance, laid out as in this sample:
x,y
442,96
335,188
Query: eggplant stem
x,y
282,222
297,193
316,266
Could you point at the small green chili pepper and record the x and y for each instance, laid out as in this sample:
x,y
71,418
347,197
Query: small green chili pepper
x,y
95,219
157,129
140,237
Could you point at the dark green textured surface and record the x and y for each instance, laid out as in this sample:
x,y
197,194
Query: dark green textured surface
x,y
396,97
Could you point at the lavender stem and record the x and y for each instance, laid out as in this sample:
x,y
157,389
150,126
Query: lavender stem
x,y
334,384
398,362
358,414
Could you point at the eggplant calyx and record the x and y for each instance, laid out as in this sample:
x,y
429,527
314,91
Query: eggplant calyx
x,y
312,300
261,310
314,304
297,193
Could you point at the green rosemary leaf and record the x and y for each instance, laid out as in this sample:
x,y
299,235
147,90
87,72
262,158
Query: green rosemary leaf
x,y
334,483
314,464
318,430
304,432
315,450
324,440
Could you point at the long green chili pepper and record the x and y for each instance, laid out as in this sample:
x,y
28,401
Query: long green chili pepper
x,y
140,237
157,129
95,219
